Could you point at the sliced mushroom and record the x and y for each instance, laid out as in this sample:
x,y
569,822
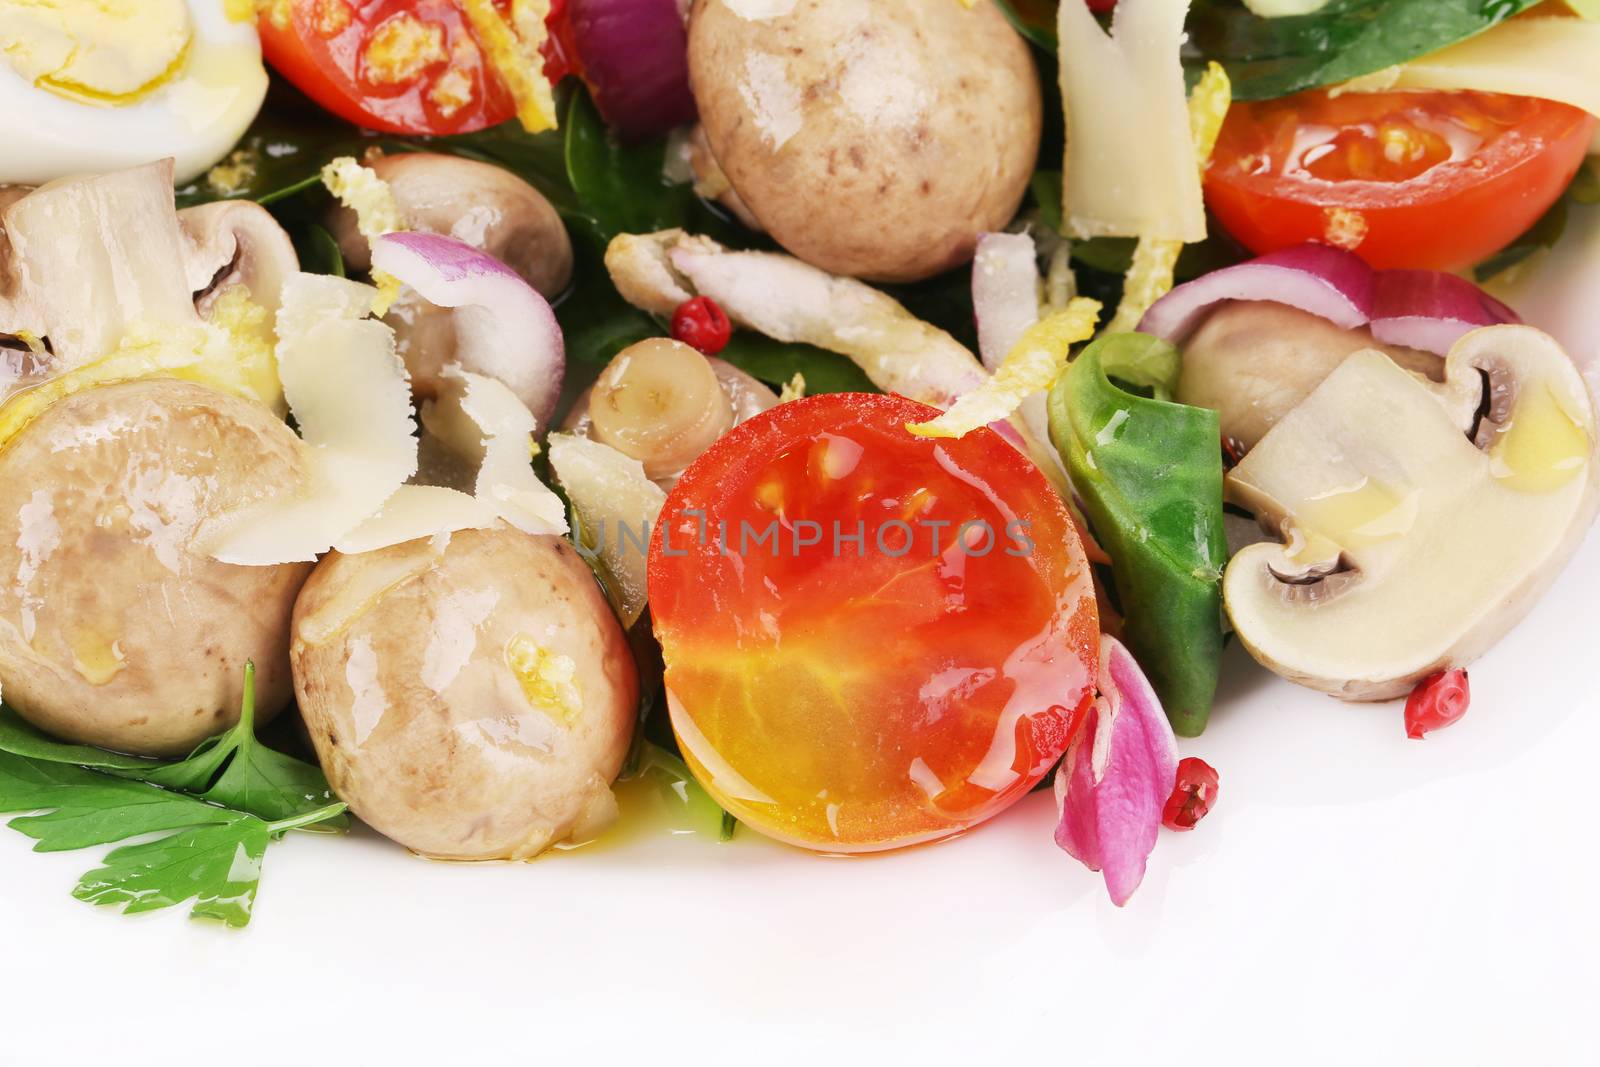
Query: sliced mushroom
x,y
1252,361
85,261
481,204
236,242
1409,547
662,403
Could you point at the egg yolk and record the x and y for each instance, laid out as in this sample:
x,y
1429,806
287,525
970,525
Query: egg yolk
x,y
101,51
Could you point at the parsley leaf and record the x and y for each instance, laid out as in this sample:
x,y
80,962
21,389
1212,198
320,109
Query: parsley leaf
x,y
214,858
232,769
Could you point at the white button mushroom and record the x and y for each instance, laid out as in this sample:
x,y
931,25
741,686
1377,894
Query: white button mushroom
x,y
115,630
874,140
1408,546
472,696
1252,361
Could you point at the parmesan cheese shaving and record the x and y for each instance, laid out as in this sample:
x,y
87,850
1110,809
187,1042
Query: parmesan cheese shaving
x,y
1549,58
1155,261
351,399
617,507
1030,367
1131,168
482,420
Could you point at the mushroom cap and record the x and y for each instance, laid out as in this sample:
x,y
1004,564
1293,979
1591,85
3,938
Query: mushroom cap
x,y
1252,361
114,629
470,697
481,204
1410,547
874,140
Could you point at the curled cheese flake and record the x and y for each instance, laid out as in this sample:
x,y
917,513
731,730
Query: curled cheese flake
x,y
512,47
377,213
1153,270
1030,367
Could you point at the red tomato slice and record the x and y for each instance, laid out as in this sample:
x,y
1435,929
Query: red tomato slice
x,y
400,66
851,695
1432,180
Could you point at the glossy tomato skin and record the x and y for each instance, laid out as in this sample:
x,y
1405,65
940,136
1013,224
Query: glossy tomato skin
x,y
849,695
1424,180
397,66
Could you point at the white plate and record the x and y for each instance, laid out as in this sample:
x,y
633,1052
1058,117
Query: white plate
x,y
1354,897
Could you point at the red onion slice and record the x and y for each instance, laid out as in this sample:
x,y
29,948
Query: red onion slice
x,y
1116,776
504,328
635,56
1430,310
1329,282
1422,309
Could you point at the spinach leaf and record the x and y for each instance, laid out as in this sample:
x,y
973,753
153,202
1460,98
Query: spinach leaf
x,y
622,188
1150,474
233,769
776,362
1268,58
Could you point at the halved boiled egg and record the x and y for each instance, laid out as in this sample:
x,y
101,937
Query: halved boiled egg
x,y
98,85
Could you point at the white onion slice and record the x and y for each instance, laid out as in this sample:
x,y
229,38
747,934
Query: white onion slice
x,y
1005,293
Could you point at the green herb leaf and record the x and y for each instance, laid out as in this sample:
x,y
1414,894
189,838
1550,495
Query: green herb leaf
x,y
213,859
232,769
219,867
1268,58
1150,474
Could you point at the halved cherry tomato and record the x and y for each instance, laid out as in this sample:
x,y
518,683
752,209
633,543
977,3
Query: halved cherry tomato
x,y
400,66
1435,180
871,639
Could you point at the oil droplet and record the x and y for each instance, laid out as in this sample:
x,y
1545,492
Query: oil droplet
x,y
1362,514
95,658
1543,447
548,679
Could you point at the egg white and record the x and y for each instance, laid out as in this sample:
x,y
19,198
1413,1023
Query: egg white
x,y
197,116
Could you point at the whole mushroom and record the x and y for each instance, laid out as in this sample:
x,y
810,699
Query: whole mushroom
x,y
481,204
470,697
874,140
115,630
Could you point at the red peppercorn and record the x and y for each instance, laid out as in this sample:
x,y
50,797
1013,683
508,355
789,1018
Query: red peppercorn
x,y
1436,702
701,324
1192,796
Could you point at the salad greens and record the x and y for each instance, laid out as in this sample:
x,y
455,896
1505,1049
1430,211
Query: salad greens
x,y
1268,58
225,802
1150,475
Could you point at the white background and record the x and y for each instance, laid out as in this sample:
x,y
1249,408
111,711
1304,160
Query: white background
x,y
1355,897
